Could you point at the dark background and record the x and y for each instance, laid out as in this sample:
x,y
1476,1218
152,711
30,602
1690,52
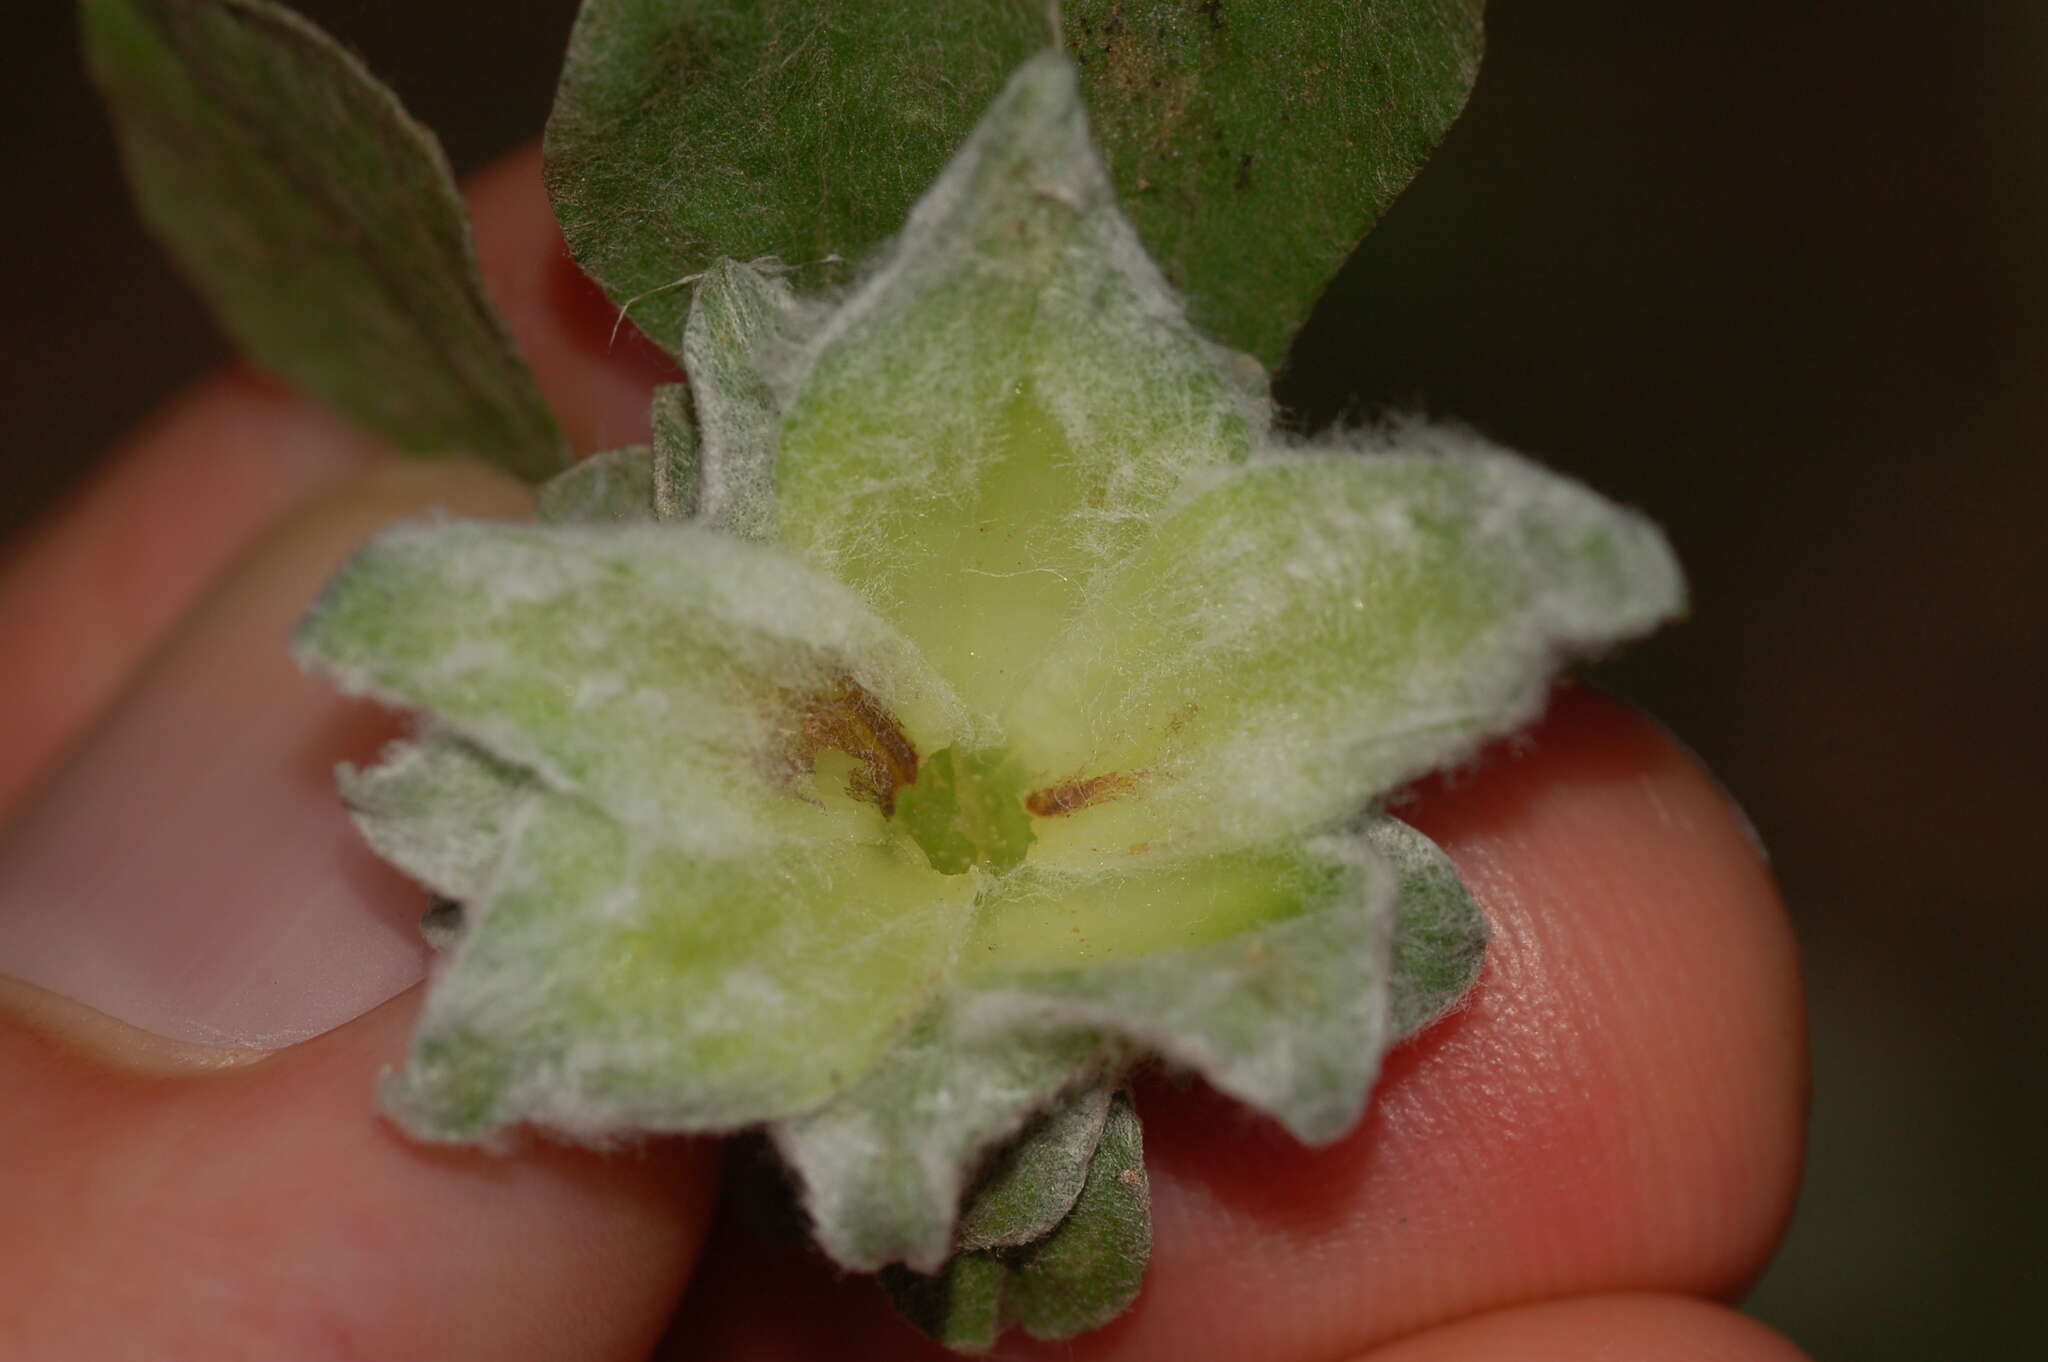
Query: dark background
x,y
1774,270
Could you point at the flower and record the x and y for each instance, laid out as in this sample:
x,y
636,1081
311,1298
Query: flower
x,y
967,695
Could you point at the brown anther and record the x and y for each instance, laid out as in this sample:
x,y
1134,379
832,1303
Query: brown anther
x,y
845,716
1070,796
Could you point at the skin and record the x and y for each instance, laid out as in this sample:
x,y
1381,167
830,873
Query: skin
x,y
1581,1164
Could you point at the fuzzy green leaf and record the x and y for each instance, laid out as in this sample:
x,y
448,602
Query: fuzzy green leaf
x,y
1006,405
1322,627
1439,933
441,924
662,671
741,317
610,981
1267,130
675,474
960,1305
439,809
1076,1273
883,1166
615,485
1088,1270
319,220
1038,1176
639,482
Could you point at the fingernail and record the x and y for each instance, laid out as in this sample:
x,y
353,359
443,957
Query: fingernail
x,y
191,871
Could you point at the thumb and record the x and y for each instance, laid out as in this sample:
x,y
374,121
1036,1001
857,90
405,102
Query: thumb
x,y
191,878
163,1206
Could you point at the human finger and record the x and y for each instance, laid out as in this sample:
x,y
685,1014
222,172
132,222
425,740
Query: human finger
x,y
190,869
162,1207
191,887
1624,1328
1618,1108
85,594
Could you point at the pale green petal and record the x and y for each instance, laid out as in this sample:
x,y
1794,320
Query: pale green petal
x,y
741,318
1439,936
608,982
1265,969
1322,627
883,1167
615,485
439,809
1006,405
667,673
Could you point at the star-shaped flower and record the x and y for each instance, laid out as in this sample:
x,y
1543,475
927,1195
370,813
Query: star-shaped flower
x,y
968,695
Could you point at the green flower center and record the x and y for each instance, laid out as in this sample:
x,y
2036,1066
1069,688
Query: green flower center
x,y
967,808
964,807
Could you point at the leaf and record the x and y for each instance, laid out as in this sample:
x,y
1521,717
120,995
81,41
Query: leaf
x,y
739,316
639,482
1007,404
441,925
662,671
883,1167
1075,1274
1253,142
1088,1270
1439,936
615,485
960,1305
1038,1177
1266,970
608,981
320,221
440,809
675,473
1322,627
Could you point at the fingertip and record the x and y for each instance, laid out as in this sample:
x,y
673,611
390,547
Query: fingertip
x,y
1617,1108
190,869
173,1199
1645,986
1626,1328
266,1210
86,594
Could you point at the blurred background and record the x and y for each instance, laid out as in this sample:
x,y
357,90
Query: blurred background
x,y
1774,270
